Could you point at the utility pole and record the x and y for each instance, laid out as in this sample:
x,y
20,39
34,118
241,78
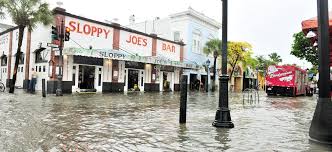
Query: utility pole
x,y
61,38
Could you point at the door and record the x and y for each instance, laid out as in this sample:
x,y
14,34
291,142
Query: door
x,y
99,78
141,80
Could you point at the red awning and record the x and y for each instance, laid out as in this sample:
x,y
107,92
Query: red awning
x,y
312,23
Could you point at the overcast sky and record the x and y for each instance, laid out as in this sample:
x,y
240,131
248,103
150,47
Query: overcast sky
x,y
267,24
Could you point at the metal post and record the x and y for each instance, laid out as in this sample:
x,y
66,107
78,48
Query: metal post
x,y
43,88
59,84
223,116
183,99
321,124
208,78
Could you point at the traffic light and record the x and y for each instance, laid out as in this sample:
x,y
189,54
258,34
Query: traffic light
x,y
55,35
67,34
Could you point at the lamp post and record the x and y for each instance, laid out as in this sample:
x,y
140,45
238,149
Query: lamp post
x,y
223,116
208,75
321,124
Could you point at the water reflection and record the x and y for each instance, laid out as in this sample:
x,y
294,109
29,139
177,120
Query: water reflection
x,y
149,122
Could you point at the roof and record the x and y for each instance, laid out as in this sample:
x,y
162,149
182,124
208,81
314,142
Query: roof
x,y
312,22
199,16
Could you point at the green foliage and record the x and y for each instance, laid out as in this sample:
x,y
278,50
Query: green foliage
x,y
27,13
213,46
275,58
303,48
313,69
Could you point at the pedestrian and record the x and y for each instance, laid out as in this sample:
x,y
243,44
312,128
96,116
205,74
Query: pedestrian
x,y
33,81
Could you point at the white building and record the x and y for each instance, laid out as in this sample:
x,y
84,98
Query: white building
x,y
191,27
99,56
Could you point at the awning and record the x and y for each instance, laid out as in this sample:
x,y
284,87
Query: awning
x,y
39,50
312,24
125,56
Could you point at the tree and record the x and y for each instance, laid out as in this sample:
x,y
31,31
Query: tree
x,y
303,48
25,14
275,58
213,46
237,52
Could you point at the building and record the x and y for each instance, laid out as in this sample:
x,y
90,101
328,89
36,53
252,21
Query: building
x,y
4,27
191,27
98,57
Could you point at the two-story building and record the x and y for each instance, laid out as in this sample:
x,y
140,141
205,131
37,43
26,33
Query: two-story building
x,y
98,57
191,27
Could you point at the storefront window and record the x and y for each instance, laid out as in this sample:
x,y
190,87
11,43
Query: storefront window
x,y
3,60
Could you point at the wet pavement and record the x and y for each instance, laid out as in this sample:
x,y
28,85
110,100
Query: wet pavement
x,y
149,122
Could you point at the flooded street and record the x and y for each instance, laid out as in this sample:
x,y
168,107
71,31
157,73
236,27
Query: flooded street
x,y
149,122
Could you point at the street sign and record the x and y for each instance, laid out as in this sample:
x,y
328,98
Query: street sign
x,y
52,45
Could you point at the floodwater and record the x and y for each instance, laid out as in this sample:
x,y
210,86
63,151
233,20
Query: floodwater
x,y
149,122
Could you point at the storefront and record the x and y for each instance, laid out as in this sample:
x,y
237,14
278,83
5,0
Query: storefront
x,y
99,57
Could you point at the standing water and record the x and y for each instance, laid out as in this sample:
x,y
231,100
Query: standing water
x,y
149,122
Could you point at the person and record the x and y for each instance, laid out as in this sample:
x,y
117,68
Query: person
x,y
33,81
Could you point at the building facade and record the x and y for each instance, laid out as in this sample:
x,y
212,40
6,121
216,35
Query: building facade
x,y
98,57
191,27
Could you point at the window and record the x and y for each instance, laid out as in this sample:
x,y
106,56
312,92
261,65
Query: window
x,y
3,60
44,68
39,55
196,44
21,69
39,69
21,59
176,35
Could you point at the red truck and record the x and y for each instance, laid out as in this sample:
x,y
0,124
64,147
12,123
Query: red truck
x,y
287,80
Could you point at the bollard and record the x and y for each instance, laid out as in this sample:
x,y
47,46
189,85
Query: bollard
x,y
43,88
183,99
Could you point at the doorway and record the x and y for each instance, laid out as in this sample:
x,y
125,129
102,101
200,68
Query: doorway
x,y
133,84
86,79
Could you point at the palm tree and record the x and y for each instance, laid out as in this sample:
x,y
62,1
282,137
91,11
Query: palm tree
x,y
276,59
25,14
213,46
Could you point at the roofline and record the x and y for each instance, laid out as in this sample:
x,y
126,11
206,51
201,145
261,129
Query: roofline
x,y
198,15
113,25
8,30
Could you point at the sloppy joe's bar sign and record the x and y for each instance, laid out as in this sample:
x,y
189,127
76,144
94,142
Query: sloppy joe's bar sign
x,y
168,50
87,34
136,43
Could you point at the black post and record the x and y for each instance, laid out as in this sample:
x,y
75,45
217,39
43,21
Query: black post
x,y
321,124
223,116
183,99
43,88
207,83
61,38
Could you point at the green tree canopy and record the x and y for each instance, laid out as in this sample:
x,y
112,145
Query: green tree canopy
x,y
275,58
212,46
304,49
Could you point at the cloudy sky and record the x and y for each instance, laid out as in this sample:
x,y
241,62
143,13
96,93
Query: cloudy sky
x,y
267,24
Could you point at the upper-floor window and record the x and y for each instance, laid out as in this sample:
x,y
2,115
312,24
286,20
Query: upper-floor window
x,y
3,60
40,55
197,42
21,59
176,35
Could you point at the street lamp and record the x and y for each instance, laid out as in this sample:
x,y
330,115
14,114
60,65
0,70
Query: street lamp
x,y
208,75
223,116
321,124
